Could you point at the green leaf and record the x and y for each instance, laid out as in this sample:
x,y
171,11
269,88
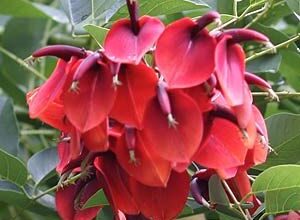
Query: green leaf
x,y
294,5
277,178
13,195
217,194
97,32
266,64
281,186
79,11
105,213
284,136
42,164
12,169
288,68
21,37
97,199
275,36
9,132
162,7
11,89
23,8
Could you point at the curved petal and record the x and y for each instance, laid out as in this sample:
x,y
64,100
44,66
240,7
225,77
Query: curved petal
x,y
176,144
90,105
66,200
223,148
39,100
96,139
184,59
149,168
230,70
138,87
133,46
162,203
113,180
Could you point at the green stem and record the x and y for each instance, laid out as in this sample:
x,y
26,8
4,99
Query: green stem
x,y
236,202
265,9
283,94
49,132
246,13
285,43
66,182
235,8
21,62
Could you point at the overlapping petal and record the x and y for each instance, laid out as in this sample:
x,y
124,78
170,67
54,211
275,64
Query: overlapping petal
x,y
185,58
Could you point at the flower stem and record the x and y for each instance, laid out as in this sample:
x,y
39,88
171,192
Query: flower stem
x,y
21,62
265,9
236,202
283,44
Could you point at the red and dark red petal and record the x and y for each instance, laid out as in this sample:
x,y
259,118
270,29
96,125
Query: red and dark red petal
x,y
184,58
201,97
138,87
96,139
159,202
39,100
149,168
179,143
224,146
68,204
133,47
230,69
91,104
113,179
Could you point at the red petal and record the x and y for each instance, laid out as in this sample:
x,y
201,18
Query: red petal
x,y
201,96
49,91
174,144
63,150
96,139
162,203
133,46
230,69
115,189
185,60
55,116
138,87
223,148
89,106
240,185
149,169
65,201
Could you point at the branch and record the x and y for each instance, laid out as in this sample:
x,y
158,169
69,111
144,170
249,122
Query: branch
x,y
283,44
283,94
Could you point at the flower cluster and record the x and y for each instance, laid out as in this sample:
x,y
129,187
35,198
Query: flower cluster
x,y
136,114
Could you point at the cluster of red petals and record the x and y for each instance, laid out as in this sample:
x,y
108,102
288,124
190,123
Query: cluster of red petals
x,y
134,127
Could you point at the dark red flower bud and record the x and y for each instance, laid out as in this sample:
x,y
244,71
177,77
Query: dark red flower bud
x,y
64,52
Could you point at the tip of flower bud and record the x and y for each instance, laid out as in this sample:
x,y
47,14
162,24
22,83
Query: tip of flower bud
x,y
272,95
132,158
218,21
116,81
271,46
171,120
30,60
74,86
